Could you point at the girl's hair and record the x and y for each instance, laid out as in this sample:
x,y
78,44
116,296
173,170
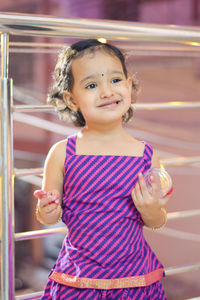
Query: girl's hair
x,y
63,77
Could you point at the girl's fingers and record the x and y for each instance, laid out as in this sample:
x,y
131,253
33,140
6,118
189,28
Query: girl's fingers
x,y
133,195
46,198
44,194
50,208
155,188
46,202
137,191
40,194
53,196
137,194
141,193
143,186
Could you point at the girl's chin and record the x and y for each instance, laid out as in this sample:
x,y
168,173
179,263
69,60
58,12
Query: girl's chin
x,y
106,116
105,120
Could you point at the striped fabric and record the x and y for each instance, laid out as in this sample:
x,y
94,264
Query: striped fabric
x,y
105,238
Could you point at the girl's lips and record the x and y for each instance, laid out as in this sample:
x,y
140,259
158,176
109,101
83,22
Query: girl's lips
x,y
109,103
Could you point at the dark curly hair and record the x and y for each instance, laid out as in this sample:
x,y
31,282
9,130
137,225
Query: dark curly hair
x,y
63,77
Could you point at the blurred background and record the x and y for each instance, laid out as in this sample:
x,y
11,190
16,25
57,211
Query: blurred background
x,y
163,76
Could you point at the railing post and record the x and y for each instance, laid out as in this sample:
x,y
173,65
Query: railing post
x,y
7,178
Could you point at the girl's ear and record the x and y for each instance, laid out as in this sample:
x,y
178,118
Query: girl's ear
x,y
130,83
133,87
68,99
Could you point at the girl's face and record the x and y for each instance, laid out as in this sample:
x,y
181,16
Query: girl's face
x,y
101,91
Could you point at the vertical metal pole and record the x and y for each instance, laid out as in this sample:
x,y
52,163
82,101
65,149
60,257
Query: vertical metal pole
x,y
7,178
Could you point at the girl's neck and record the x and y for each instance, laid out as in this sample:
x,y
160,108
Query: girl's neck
x,y
104,131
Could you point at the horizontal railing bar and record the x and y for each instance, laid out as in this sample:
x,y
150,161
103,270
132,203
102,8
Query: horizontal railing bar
x,y
46,232
183,214
33,180
32,108
184,48
135,52
27,172
34,234
167,105
43,124
179,161
151,106
54,51
24,24
178,234
157,53
46,45
153,53
30,296
168,271
182,269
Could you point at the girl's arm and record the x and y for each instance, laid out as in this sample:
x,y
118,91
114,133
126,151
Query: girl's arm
x,y
48,209
152,210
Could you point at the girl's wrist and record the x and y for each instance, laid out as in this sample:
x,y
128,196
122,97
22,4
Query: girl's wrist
x,y
164,220
157,220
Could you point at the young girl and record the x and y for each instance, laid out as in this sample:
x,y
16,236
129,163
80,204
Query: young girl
x,y
94,181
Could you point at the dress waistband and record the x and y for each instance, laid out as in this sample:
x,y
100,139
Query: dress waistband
x,y
106,284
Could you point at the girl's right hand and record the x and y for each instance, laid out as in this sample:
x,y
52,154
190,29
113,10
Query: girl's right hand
x,y
48,209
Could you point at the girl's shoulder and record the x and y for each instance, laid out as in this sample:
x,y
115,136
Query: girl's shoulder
x,y
59,146
58,151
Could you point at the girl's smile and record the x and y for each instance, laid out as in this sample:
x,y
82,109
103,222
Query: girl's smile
x,y
109,104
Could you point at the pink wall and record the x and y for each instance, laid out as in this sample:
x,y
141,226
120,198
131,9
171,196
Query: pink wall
x,y
178,12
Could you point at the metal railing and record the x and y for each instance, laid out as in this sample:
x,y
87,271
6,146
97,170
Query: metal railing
x,y
33,25
42,26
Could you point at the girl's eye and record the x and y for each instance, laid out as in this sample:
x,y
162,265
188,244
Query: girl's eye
x,y
115,80
91,86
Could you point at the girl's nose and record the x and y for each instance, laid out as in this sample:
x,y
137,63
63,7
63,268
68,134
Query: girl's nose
x,y
106,91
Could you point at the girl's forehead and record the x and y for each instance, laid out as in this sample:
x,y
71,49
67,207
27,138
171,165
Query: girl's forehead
x,y
92,62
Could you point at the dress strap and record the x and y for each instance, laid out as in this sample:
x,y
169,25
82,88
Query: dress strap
x,y
71,145
148,153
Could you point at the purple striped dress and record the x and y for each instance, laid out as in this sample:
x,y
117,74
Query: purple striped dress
x,y
105,249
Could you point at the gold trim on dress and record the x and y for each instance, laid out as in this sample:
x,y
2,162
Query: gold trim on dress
x,y
106,284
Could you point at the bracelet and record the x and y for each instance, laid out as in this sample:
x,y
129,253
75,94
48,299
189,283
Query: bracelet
x,y
165,220
37,213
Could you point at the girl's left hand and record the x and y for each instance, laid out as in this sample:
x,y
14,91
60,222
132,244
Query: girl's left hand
x,y
149,206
